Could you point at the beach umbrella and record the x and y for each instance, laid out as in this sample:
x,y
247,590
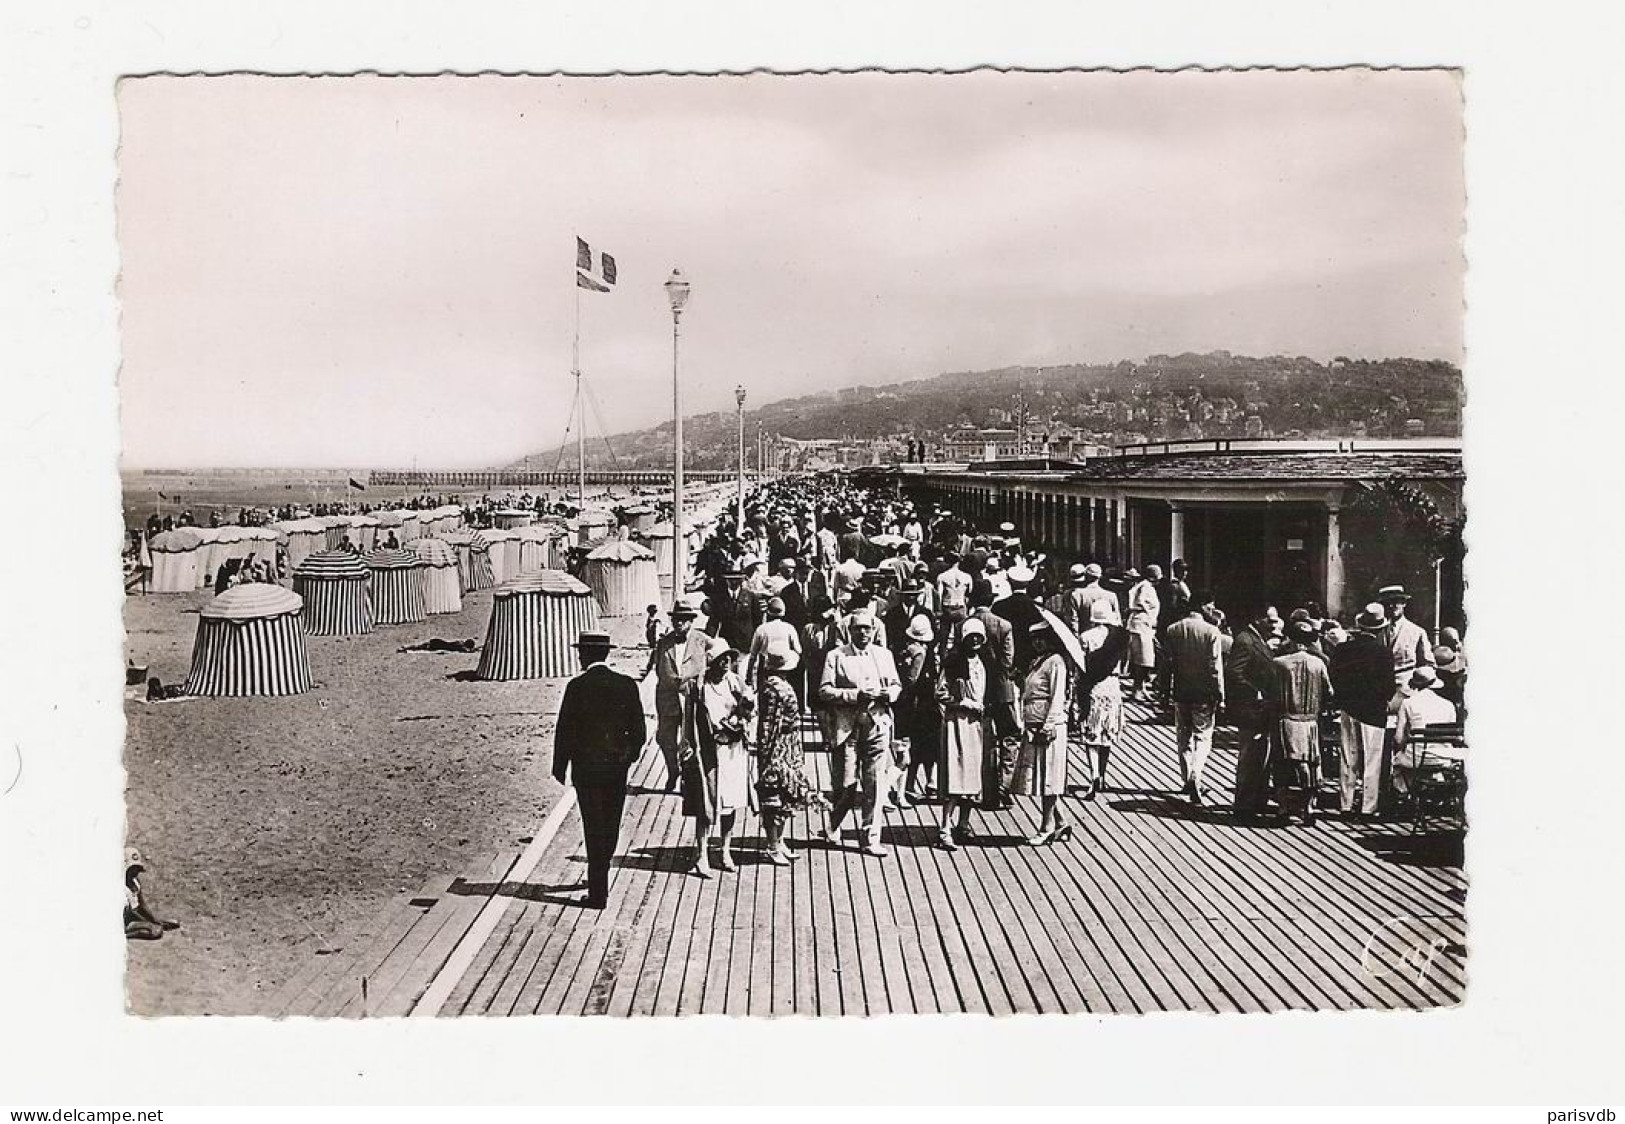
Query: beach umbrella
x,y
397,586
623,578
250,641
535,620
336,586
442,578
175,558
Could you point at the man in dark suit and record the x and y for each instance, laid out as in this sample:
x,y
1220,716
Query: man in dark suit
x,y
1250,679
600,734
806,587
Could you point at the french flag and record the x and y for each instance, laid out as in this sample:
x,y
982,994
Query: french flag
x,y
600,280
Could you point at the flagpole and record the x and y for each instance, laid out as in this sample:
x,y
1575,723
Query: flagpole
x,y
581,409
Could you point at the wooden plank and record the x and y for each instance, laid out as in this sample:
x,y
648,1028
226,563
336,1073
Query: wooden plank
x,y
634,990
930,942
821,936
875,958
724,931
953,908
1328,919
615,925
458,913
898,911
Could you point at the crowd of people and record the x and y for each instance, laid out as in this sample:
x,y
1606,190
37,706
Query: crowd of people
x,y
945,664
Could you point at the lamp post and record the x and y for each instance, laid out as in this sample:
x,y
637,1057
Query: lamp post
x,y
677,293
739,514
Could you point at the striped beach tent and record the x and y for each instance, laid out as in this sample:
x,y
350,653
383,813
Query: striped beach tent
x,y
397,586
442,580
336,587
622,577
504,548
175,558
473,559
535,620
250,641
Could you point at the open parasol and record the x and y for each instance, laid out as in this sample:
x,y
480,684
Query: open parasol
x,y
1071,646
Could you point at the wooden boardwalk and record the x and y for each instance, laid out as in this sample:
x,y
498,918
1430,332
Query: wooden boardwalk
x,y
1152,907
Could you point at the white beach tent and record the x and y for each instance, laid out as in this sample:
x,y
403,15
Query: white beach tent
x,y
622,577
512,518
175,558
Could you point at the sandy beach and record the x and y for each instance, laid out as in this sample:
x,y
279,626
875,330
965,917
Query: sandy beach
x,y
275,827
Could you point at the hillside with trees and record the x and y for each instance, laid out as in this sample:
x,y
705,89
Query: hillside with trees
x,y
1164,397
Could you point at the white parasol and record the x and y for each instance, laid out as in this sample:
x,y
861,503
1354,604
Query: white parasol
x,y
1071,646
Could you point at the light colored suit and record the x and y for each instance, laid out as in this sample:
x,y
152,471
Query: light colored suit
x,y
860,729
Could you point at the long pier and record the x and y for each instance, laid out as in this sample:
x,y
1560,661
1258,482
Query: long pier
x,y
514,478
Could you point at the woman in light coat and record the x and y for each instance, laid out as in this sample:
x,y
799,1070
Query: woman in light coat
x,y
962,693
1041,770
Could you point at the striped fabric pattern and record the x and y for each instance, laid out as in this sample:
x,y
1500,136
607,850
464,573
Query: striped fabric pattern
x,y
473,558
442,577
535,620
250,641
397,587
335,585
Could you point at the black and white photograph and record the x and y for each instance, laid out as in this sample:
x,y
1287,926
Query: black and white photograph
x,y
824,545
735,557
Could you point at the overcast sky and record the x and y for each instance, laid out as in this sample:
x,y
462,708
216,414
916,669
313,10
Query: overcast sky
x,y
374,272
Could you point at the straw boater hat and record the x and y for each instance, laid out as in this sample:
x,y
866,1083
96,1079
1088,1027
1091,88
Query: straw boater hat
x,y
1020,575
592,638
1371,618
683,609
1007,528
1389,594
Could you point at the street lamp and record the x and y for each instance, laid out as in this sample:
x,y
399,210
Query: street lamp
x,y
677,293
739,515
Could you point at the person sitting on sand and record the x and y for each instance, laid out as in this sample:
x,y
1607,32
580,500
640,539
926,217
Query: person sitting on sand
x,y
140,923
